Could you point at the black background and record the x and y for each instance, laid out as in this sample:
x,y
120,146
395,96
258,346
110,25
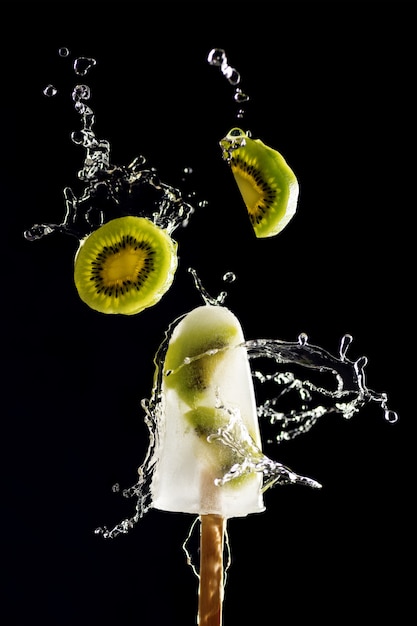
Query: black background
x,y
332,87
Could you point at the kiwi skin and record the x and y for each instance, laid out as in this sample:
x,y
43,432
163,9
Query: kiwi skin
x,y
268,185
125,266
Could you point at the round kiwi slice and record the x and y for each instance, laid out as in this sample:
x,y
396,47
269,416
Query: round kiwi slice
x,y
268,185
125,266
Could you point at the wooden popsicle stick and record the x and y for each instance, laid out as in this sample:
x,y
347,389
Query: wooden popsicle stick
x,y
210,593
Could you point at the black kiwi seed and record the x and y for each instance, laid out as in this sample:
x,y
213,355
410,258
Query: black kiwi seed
x,y
141,276
258,212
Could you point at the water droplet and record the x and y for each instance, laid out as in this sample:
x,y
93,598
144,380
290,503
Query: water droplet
x,y
37,232
360,364
231,74
217,56
229,277
50,90
187,170
240,97
137,164
77,136
83,64
63,52
391,416
85,111
81,92
344,345
302,339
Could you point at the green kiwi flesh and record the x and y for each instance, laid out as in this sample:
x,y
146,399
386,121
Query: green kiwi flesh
x,y
125,266
267,184
206,421
188,359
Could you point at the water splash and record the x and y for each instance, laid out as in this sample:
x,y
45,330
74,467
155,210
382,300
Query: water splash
x,y
248,455
208,299
218,58
341,389
346,397
191,548
110,190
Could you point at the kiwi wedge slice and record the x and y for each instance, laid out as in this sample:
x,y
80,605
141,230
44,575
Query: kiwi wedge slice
x,y
196,349
268,185
125,266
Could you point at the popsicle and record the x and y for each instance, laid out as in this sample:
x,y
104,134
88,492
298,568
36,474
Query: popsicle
x,y
209,426
207,388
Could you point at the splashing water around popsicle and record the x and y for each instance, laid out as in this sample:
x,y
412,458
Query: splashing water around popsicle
x,y
203,400
205,449
226,430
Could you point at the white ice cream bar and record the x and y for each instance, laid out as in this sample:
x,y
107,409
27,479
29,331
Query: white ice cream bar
x,y
207,386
